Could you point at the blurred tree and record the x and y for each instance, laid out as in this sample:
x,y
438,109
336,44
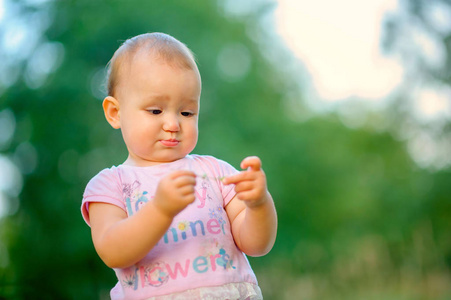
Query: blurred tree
x,y
337,189
418,34
59,116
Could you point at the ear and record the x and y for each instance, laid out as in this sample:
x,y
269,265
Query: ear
x,y
111,110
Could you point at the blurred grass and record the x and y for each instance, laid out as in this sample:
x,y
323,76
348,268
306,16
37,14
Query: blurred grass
x,y
358,219
364,268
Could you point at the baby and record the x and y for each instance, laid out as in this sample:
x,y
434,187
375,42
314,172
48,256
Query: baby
x,y
173,225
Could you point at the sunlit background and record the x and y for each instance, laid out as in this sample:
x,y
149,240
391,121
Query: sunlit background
x,y
347,102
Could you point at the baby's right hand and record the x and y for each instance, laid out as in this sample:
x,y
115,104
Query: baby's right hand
x,y
175,192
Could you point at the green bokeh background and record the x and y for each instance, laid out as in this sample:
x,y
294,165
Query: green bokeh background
x,y
358,218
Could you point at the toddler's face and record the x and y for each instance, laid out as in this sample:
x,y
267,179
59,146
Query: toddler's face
x,y
159,108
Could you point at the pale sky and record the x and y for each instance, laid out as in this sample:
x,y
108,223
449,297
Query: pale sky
x,y
339,44
338,41
2,10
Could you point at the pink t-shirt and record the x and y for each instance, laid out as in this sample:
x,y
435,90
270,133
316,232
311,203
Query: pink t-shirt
x,y
197,251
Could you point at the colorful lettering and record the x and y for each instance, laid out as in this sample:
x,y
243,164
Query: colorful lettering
x,y
200,261
202,197
174,235
178,268
211,226
193,227
154,275
213,259
159,273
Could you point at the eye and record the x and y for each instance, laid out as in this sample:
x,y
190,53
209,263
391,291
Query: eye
x,y
187,114
155,111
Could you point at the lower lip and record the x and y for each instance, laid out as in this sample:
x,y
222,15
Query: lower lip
x,y
169,143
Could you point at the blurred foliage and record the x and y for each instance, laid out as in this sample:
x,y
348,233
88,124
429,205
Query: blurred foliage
x,y
358,219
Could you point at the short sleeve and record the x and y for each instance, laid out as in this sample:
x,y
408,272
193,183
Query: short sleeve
x,y
105,187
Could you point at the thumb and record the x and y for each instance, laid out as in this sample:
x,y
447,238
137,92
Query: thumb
x,y
252,162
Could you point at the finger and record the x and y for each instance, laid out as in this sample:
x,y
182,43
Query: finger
x,y
190,199
186,186
187,199
177,180
244,186
246,195
239,177
181,173
185,181
252,162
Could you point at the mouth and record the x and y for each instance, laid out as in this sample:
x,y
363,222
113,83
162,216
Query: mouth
x,y
170,142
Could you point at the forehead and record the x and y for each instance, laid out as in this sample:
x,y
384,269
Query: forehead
x,y
151,57
151,62
149,74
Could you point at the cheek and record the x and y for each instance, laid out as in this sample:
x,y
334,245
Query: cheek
x,y
195,137
130,136
192,132
135,132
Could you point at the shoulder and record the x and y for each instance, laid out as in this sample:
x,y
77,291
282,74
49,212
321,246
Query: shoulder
x,y
212,164
105,187
104,180
207,159
106,173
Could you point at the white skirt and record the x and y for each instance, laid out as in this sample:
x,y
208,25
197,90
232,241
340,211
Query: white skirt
x,y
230,291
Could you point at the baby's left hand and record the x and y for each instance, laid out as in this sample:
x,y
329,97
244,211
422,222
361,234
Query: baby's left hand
x,y
250,185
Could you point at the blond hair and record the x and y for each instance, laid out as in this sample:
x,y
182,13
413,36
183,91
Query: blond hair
x,y
164,46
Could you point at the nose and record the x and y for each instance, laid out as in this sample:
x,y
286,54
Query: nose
x,y
171,123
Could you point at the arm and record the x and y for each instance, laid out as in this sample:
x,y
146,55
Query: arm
x,y
252,212
122,241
